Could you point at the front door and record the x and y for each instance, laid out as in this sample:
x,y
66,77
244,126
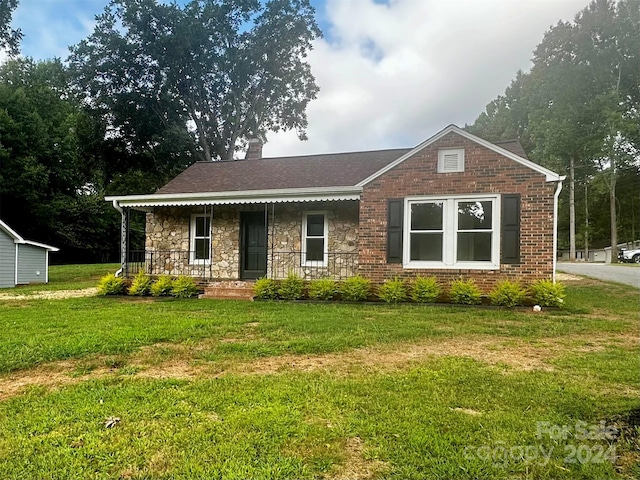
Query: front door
x,y
253,245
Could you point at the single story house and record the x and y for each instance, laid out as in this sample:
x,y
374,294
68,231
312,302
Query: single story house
x,y
454,206
22,261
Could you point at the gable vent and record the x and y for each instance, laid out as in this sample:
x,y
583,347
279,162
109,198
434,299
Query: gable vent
x,y
451,160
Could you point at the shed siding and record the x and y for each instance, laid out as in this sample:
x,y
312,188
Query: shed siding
x,y
7,260
32,266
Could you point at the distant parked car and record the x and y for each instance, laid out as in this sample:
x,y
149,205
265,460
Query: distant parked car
x,y
629,256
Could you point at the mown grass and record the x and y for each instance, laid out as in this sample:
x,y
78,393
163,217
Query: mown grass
x,y
68,277
433,418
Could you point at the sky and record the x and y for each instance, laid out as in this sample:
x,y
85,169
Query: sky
x,y
392,73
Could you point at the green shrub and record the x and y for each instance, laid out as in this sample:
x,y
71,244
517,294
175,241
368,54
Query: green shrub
x,y
548,294
184,287
141,284
265,289
393,291
323,289
507,294
425,290
355,289
111,285
162,286
291,288
464,292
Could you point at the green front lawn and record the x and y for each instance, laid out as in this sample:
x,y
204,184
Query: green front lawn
x,y
242,390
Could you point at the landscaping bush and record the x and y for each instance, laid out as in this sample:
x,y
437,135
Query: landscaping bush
x,y
393,291
141,284
425,290
162,286
265,289
507,294
323,289
184,287
111,285
464,292
291,288
548,294
355,289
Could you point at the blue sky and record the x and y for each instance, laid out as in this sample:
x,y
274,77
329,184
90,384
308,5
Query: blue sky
x,y
391,72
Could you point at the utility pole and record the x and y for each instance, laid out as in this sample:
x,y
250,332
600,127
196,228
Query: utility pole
x,y
586,222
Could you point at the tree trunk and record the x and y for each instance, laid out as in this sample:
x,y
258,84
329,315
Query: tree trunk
x,y
612,209
572,209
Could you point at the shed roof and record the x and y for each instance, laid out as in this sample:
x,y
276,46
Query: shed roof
x,y
18,239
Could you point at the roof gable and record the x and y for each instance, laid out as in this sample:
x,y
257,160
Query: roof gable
x,y
18,239
549,175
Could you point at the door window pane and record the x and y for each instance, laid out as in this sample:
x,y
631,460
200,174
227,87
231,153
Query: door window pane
x,y
202,249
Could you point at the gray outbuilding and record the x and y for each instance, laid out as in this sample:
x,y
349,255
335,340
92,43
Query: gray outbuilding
x,y
22,261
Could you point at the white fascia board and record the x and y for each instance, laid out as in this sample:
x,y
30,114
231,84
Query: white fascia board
x,y
240,197
41,245
12,233
549,175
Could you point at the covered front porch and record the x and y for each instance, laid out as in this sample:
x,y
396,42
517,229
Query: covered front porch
x,y
246,241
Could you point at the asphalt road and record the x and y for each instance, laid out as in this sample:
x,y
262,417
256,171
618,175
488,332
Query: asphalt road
x,y
628,273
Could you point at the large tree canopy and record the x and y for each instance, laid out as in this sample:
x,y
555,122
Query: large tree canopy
x,y
207,76
50,167
578,109
9,38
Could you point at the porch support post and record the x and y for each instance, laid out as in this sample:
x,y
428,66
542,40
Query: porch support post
x,y
124,242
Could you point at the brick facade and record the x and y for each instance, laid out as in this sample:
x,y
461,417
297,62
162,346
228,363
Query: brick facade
x,y
486,172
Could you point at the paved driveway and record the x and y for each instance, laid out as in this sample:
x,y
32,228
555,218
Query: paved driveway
x,y
629,274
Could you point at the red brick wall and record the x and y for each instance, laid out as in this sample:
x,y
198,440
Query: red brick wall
x,y
485,172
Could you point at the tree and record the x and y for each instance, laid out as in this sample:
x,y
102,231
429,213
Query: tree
x,y
9,38
207,77
50,180
579,107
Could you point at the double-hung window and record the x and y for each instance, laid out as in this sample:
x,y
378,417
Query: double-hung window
x,y
452,232
314,239
200,239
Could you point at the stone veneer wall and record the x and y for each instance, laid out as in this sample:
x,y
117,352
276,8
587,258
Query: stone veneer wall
x,y
168,235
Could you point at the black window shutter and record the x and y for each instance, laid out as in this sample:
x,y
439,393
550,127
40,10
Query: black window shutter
x,y
510,228
395,212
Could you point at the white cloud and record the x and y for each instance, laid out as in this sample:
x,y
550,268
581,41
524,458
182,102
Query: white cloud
x,y
393,75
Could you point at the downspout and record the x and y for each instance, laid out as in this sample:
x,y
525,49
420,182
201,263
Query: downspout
x,y
117,206
556,195
15,276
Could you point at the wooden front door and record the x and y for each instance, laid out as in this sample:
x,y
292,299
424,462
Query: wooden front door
x,y
253,245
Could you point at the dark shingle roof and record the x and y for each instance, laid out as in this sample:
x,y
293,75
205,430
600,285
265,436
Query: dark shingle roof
x,y
513,146
328,170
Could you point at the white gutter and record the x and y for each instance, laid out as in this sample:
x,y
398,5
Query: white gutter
x,y
116,205
555,225
15,282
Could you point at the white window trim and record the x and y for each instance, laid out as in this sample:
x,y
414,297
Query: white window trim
x,y
447,151
192,240
450,233
325,256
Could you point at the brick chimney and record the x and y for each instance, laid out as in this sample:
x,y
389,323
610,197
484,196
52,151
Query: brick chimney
x,y
254,150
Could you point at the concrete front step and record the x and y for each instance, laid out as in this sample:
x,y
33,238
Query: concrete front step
x,y
229,289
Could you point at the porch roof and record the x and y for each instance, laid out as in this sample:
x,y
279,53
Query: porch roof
x,y
144,202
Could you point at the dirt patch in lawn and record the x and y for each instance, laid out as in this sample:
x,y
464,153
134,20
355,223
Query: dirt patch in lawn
x,y
51,294
356,465
180,361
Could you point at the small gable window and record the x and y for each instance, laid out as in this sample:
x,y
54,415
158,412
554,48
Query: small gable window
x,y
451,160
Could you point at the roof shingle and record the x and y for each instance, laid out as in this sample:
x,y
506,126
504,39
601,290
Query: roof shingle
x,y
327,170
